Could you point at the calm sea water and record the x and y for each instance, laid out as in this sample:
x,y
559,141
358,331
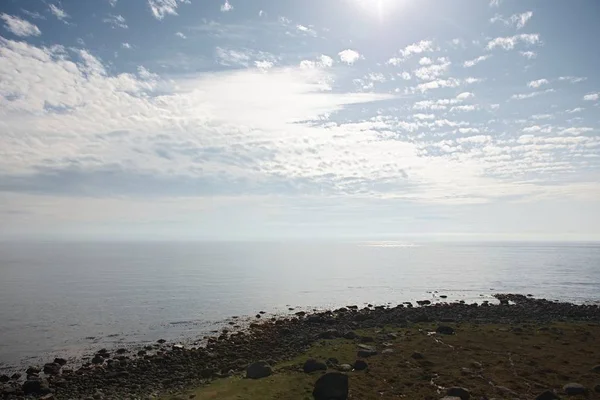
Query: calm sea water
x,y
66,298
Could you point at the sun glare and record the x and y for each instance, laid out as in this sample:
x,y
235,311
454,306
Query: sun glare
x,y
381,8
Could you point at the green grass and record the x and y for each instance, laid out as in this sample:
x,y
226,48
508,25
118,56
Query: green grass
x,y
479,357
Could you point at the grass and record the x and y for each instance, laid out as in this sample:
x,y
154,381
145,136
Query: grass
x,y
499,361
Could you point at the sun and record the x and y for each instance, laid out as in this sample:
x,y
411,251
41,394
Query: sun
x,y
381,8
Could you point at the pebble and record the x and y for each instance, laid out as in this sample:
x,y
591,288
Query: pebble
x,y
456,391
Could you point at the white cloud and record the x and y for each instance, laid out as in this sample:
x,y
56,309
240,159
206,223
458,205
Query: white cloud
x,y
537,83
405,75
349,56
58,12
439,83
528,54
522,96
116,21
326,61
465,108
542,116
181,35
113,3
161,8
509,43
261,13
125,45
19,27
433,71
572,79
225,7
395,61
574,110
495,3
423,116
425,61
263,64
521,19
591,97
465,95
475,61
306,30
478,139
417,48
576,130
471,80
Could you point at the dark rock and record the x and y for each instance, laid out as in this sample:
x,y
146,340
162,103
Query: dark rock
x,y
423,302
329,334
547,395
16,376
98,359
312,365
367,339
122,351
350,335
33,370
300,314
52,369
258,370
417,356
366,353
596,368
360,365
504,302
573,389
455,391
4,378
331,386
443,296
60,361
34,386
148,348
257,315
597,388
141,353
161,341
445,330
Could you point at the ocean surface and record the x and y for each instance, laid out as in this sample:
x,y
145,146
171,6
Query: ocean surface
x,y
71,298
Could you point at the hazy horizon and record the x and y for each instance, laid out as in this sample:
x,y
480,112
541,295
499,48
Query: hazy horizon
x,y
292,120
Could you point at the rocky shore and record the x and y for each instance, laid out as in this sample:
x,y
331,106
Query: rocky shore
x,y
165,368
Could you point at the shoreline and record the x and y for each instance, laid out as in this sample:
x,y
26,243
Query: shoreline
x,y
163,368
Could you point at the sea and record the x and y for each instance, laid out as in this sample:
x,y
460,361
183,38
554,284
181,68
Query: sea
x,y
70,299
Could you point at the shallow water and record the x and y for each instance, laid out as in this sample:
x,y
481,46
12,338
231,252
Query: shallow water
x,y
66,298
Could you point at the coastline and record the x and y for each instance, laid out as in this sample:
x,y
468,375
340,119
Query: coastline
x,y
164,368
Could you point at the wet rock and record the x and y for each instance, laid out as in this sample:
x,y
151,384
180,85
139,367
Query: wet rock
x,y
161,341
350,335
98,359
257,370
456,391
122,351
60,361
573,389
16,376
331,386
33,370
360,365
312,365
51,369
445,330
423,302
417,356
300,314
547,395
258,316
35,386
443,296
4,378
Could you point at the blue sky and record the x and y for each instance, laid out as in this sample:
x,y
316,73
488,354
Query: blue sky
x,y
168,119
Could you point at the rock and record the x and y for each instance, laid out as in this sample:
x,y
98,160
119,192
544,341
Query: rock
x,y
597,388
350,335
4,378
423,302
387,351
332,362
60,361
417,356
456,391
34,386
443,296
51,369
33,370
504,302
366,353
450,398
445,330
122,351
49,396
573,389
367,339
312,365
547,395
596,368
329,334
16,376
392,336
360,365
506,391
331,386
98,359
161,341
178,346
258,316
344,367
300,314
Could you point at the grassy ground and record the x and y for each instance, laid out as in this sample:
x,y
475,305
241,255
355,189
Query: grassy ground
x,y
498,361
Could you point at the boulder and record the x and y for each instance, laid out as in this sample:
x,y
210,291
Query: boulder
x,y
572,389
312,365
423,302
33,370
51,369
547,395
331,386
60,361
257,370
35,386
456,391
445,330
360,365
366,353
329,334
98,359
350,335
417,356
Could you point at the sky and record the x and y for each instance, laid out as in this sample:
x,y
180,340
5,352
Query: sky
x,y
289,119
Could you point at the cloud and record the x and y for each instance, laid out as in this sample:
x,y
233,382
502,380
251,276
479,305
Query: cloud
x,y
116,21
537,83
522,96
225,7
465,108
517,20
425,61
405,75
306,30
125,45
528,54
475,61
263,64
591,97
576,130
439,83
574,110
431,72
326,61
465,95
33,14
19,27
471,80
161,8
572,79
495,3
58,12
181,35
509,43
261,13
417,48
113,3
349,56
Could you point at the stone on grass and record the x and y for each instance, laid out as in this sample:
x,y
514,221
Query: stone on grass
x,y
257,370
344,367
331,386
573,389
366,353
360,365
547,395
445,330
312,365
